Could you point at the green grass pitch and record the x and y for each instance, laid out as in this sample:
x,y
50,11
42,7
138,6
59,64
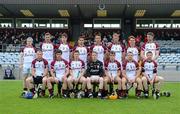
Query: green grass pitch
x,y
11,103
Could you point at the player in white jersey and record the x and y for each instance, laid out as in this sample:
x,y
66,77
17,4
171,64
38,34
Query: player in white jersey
x,y
131,73
59,73
65,47
28,54
76,73
100,49
39,73
133,48
112,72
149,71
118,48
150,45
48,49
83,51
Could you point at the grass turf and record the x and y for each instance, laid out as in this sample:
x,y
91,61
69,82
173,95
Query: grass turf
x,y
11,103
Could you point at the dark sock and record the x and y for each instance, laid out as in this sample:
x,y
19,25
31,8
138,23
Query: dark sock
x,y
89,91
124,93
50,91
32,90
25,89
64,91
105,92
138,92
111,87
100,90
43,92
72,90
119,93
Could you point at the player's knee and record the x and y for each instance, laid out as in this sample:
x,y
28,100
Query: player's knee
x,y
144,79
44,80
139,80
88,79
105,81
84,80
28,80
69,79
123,80
100,79
161,79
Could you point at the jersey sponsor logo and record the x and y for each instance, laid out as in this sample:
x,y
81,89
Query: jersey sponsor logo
x,y
149,67
130,67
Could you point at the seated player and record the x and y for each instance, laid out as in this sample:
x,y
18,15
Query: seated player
x,y
39,73
149,71
131,76
59,73
112,72
76,73
94,74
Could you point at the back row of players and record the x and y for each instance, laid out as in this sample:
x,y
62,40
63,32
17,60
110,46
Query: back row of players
x,y
69,66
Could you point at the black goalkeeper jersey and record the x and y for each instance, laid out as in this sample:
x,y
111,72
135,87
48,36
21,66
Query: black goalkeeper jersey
x,y
95,68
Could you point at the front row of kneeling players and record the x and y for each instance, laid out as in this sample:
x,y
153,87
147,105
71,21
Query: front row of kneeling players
x,y
68,76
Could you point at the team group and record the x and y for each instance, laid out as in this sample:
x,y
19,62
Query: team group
x,y
69,67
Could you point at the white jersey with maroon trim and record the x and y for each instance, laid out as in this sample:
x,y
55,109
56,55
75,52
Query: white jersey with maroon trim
x,y
29,54
76,67
130,68
118,49
40,66
100,50
135,52
48,51
59,67
83,53
66,49
153,47
149,67
112,67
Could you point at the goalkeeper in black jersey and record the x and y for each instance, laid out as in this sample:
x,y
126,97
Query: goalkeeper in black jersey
x,y
94,74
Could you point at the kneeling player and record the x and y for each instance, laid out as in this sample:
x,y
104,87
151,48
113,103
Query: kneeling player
x,y
112,71
76,73
59,73
39,73
149,71
131,76
94,74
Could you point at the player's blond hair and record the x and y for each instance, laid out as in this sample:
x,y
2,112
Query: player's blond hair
x,y
29,39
